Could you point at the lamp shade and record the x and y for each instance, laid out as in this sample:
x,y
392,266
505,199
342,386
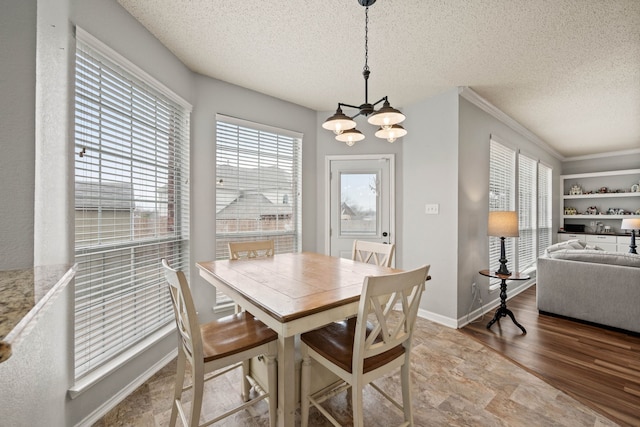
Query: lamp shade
x,y
503,224
630,224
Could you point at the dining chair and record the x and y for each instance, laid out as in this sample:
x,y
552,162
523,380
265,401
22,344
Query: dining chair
x,y
253,249
367,347
378,253
222,345
247,250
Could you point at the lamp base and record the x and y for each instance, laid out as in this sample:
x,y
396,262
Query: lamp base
x,y
503,269
503,260
632,246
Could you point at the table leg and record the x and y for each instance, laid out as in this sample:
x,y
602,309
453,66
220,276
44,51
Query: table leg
x,y
503,311
286,381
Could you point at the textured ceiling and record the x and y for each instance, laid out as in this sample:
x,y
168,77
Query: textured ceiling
x,y
567,70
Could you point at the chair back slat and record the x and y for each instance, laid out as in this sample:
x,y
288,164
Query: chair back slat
x,y
373,252
258,248
388,309
185,313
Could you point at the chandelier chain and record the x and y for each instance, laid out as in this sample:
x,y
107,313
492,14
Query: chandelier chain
x,y
366,39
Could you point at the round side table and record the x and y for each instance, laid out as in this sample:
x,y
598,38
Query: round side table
x,y
503,311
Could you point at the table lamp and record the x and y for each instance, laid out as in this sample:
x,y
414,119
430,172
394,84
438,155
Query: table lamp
x,y
503,224
632,224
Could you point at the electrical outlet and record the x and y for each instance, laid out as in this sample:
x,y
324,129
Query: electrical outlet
x,y
432,209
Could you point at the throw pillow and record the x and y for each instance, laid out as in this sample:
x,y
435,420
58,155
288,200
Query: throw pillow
x,y
569,244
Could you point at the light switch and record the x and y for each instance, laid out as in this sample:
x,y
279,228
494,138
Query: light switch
x,y
432,209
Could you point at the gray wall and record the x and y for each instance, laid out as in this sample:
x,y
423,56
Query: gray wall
x,y
17,132
213,97
601,164
49,344
430,174
443,159
476,127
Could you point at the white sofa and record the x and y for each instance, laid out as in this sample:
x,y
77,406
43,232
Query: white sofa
x,y
590,284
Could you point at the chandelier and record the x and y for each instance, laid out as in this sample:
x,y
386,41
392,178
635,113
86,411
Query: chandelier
x,y
387,117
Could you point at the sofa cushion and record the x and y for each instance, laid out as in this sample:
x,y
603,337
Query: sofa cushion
x,y
568,244
597,257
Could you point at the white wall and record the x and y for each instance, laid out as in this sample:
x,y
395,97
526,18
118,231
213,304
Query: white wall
x,y
430,175
17,130
476,127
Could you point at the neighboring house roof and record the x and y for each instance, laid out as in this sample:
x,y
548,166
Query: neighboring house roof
x,y
91,195
253,206
346,210
252,178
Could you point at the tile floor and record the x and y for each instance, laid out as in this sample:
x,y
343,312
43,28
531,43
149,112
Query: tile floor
x,y
456,382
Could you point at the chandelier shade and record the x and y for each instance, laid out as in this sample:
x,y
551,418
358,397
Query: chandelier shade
x,y
391,133
350,136
339,122
387,117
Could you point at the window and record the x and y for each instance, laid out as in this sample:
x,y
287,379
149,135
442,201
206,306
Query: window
x,y
533,196
502,196
527,213
258,182
131,203
544,207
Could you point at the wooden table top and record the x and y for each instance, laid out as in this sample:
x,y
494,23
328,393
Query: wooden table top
x,y
294,285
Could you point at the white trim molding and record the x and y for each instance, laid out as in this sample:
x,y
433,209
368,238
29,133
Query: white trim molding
x,y
601,155
471,96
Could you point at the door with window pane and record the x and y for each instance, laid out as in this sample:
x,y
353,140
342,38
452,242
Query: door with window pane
x,y
361,202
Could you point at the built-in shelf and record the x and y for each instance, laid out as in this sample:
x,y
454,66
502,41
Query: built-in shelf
x,y
597,217
610,191
601,195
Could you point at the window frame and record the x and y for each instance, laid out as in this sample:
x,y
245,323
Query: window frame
x,y
536,221
157,167
258,170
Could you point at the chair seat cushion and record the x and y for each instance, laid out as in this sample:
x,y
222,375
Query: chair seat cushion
x,y
233,334
335,343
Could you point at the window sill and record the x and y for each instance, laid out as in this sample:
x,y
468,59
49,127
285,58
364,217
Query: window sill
x,y
85,383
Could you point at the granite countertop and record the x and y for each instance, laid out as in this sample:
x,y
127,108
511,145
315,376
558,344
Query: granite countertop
x,y
23,296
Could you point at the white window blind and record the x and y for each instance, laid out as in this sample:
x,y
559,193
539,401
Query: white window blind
x,y
544,207
131,203
532,190
502,197
527,213
258,183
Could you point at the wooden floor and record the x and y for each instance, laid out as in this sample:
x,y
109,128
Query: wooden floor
x,y
599,367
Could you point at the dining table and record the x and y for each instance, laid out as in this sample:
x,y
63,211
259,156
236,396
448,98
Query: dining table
x,y
292,293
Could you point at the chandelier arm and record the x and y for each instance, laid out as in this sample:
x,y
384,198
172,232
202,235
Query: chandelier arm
x,y
350,106
384,98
